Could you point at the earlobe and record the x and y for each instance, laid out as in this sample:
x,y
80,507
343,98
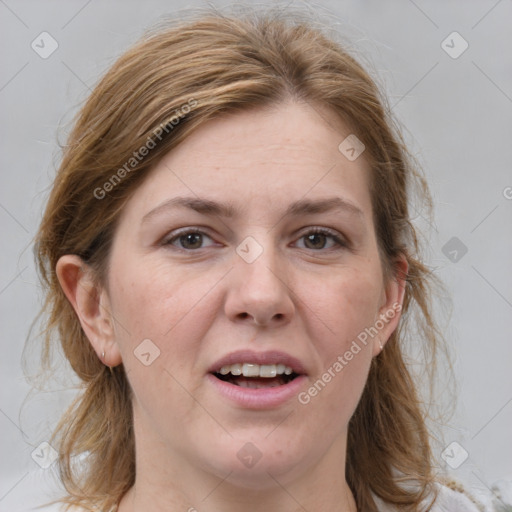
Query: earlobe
x,y
390,311
91,304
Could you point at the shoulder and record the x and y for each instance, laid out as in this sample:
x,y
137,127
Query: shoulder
x,y
451,496
454,498
68,508
80,509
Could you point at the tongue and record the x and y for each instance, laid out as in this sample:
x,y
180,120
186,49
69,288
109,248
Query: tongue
x,y
257,382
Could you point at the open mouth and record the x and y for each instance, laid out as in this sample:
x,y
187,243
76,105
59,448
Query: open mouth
x,y
275,381
257,382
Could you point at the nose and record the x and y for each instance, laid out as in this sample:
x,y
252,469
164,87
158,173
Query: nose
x,y
258,292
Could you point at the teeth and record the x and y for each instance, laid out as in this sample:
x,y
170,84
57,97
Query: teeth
x,y
256,370
250,370
268,370
236,369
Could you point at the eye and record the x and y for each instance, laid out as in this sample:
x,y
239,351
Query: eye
x,y
316,239
188,239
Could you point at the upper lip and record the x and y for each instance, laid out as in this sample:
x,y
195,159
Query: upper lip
x,y
268,357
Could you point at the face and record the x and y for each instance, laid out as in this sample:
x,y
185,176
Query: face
x,y
252,243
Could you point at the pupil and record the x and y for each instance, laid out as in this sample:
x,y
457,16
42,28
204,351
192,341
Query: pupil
x,y
312,237
191,237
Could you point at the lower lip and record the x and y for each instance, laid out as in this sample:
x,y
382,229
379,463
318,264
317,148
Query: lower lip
x,y
258,398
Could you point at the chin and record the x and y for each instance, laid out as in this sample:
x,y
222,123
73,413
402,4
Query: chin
x,y
256,465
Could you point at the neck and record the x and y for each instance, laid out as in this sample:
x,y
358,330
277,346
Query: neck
x,y
229,498
167,481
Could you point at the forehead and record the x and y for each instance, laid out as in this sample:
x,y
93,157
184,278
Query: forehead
x,y
259,159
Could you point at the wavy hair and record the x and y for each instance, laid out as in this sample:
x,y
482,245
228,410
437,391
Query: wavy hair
x,y
219,64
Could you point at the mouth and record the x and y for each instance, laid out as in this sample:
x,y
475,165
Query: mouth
x,y
256,376
258,380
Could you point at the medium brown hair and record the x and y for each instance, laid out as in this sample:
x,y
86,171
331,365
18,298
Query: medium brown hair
x,y
219,64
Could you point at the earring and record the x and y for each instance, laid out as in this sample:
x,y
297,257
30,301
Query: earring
x,y
103,356
381,347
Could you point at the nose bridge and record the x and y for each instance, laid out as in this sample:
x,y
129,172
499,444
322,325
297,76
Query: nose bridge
x,y
258,260
260,288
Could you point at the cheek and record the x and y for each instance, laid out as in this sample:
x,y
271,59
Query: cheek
x,y
175,312
343,308
345,304
166,305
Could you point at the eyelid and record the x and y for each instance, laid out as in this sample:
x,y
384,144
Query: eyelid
x,y
177,233
339,239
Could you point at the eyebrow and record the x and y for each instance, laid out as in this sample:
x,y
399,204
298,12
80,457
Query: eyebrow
x,y
213,208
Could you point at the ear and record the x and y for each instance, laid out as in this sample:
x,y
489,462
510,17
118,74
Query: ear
x,y
391,305
91,304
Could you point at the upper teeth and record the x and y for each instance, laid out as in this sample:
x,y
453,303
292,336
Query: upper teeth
x,y
256,370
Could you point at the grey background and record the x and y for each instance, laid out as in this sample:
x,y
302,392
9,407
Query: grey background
x,y
458,115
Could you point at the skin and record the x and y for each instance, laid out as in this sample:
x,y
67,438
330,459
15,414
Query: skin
x,y
307,296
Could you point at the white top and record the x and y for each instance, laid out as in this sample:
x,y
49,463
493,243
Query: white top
x,y
448,500
453,501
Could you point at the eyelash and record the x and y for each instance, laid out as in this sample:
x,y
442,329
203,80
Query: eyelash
x,y
313,231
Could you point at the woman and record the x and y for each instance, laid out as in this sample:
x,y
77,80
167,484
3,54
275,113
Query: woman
x,y
230,266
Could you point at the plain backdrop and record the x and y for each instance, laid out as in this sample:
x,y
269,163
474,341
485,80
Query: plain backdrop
x,y
457,109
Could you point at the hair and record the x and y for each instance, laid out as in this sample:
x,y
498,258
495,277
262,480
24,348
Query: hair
x,y
154,96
